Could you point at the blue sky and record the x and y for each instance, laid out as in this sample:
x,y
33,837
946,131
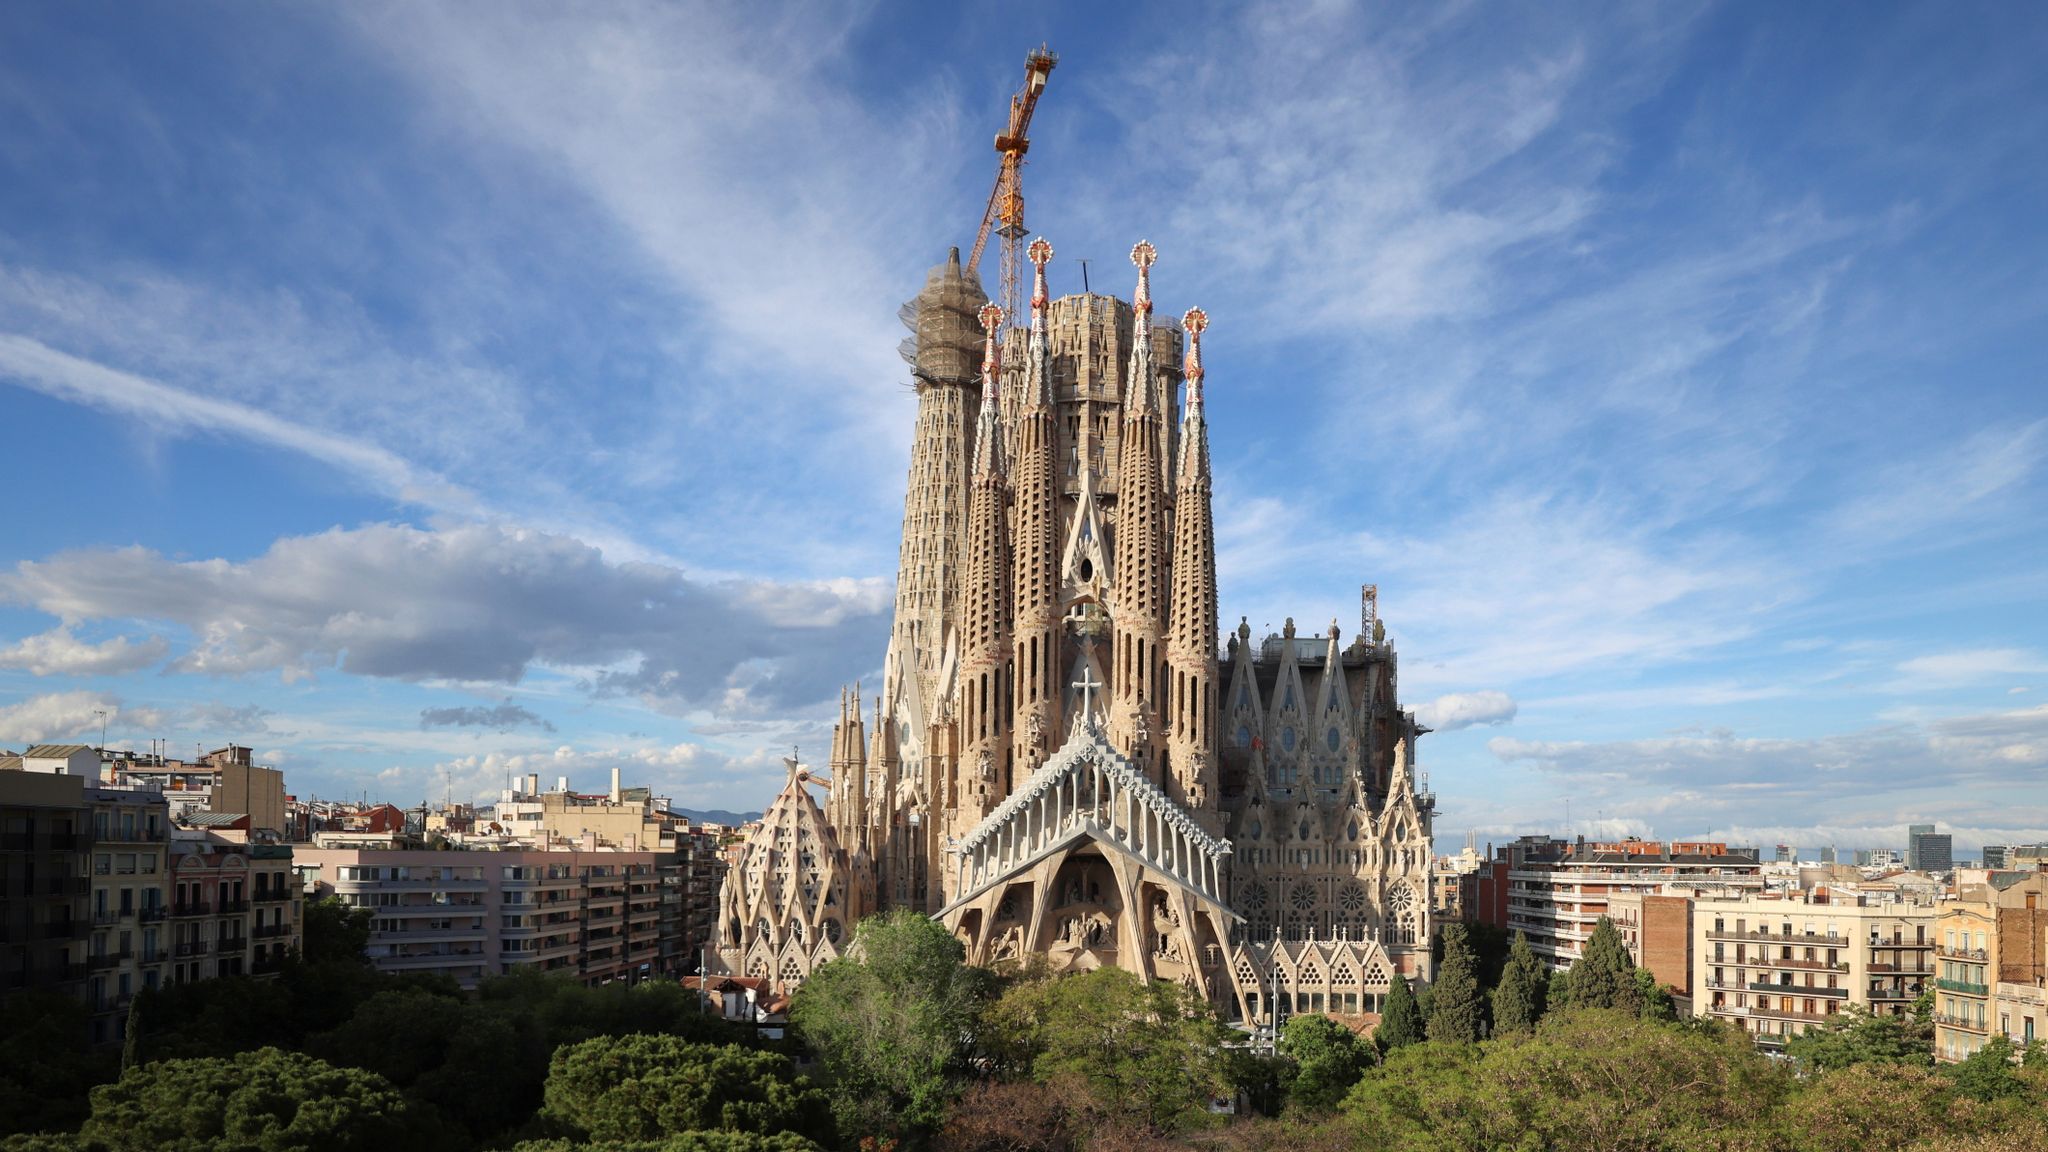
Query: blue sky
x,y
426,393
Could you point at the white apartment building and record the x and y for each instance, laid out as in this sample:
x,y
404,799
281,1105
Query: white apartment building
x,y
591,914
1775,964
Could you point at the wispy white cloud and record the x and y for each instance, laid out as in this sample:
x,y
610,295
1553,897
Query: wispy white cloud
x,y
35,365
1938,670
1981,769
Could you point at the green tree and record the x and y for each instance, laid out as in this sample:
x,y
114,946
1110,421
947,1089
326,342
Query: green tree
x,y
1518,998
1874,1107
1856,1036
1583,1079
891,1021
1605,976
334,931
262,1101
1456,1011
1327,1060
654,1087
1128,1051
1989,1073
1400,1018
1654,997
472,1061
1557,993
46,1067
711,1141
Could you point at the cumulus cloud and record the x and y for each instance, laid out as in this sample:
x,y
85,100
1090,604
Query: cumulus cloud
x,y
54,716
480,603
1466,710
502,718
59,653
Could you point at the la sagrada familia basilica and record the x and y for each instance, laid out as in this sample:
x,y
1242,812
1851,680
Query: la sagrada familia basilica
x,y
1069,758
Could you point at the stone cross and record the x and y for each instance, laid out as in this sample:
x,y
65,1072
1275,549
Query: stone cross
x,y
1087,684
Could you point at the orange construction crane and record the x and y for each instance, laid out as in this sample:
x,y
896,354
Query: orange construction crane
x,y
1005,212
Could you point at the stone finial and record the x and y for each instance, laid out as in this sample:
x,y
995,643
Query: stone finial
x,y
1195,322
1143,254
992,349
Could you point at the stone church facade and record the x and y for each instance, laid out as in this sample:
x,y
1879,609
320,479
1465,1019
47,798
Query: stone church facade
x,y
1068,756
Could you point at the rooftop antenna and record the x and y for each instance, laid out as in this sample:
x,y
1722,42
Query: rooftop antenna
x,y
1084,278
102,714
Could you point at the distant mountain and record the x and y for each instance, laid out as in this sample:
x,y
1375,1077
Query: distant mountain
x,y
716,815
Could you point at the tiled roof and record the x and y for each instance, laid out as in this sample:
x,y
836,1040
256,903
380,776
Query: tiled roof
x,y
214,819
57,751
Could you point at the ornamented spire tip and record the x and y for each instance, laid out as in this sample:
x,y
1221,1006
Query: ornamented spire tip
x,y
1143,254
991,317
1040,252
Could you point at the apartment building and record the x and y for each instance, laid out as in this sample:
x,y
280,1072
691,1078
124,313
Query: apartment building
x,y
130,842
104,895
1992,952
1775,964
1656,924
591,914
45,881
235,907
689,898
1555,891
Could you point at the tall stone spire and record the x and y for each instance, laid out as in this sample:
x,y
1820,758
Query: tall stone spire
x,y
1139,609
1038,666
941,349
985,606
1191,649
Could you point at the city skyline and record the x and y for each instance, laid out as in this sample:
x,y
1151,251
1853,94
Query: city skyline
x,y
423,399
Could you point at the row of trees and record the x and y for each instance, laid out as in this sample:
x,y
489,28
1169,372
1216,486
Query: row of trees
x,y
907,1046
265,1060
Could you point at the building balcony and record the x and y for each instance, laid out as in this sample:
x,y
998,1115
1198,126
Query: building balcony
x,y
1902,942
1962,953
273,895
1790,965
232,907
271,931
1758,1010
1880,993
1962,986
108,960
1797,990
191,948
1818,939
1961,1022
419,960
1901,969
182,910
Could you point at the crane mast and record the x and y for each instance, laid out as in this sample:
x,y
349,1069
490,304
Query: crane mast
x,y
1005,212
